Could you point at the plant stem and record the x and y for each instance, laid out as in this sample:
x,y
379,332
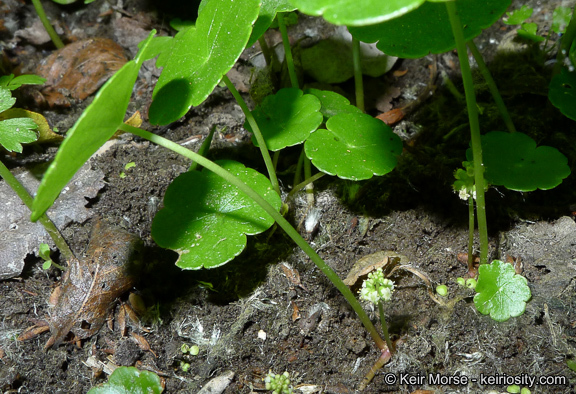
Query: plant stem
x,y
474,128
257,134
358,82
470,234
265,50
290,231
49,29
492,86
565,43
50,228
287,50
383,359
385,327
303,184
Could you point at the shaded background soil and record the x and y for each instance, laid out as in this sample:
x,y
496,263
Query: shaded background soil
x,y
250,316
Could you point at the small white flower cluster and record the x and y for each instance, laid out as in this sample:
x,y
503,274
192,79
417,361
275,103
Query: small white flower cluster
x,y
376,288
464,193
278,384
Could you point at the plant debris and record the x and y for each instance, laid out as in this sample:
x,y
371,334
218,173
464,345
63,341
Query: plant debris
x,y
90,286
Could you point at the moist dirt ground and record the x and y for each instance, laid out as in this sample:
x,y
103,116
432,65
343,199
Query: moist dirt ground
x,y
271,308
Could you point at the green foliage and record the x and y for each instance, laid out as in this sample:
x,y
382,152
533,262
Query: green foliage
x,y
201,56
16,131
518,16
560,19
501,292
95,126
333,103
442,290
266,15
286,118
354,146
130,380
206,220
10,82
355,13
562,93
524,168
427,29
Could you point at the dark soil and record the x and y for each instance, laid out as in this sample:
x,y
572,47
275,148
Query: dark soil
x,y
249,316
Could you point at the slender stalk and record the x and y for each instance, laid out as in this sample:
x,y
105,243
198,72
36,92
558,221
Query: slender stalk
x,y
385,327
51,229
257,134
303,184
287,50
308,175
265,50
298,172
565,43
283,223
471,234
358,82
51,32
492,86
474,128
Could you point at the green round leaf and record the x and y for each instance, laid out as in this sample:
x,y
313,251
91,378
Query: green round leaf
x,y
286,118
268,10
201,56
562,93
206,220
513,160
427,29
354,146
130,380
501,292
356,13
333,103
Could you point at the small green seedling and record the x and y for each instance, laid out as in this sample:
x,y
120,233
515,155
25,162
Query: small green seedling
x,y
278,384
461,282
516,389
15,131
471,283
442,290
192,350
500,291
127,167
130,380
184,366
560,18
44,253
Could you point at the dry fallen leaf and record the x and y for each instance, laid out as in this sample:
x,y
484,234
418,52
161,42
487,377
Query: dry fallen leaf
x,y
391,117
80,69
90,286
292,275
142,343
383,259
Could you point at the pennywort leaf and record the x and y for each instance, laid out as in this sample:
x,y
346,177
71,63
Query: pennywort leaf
x,y
130,380
526,167
201,56
268,10
427,28
95,126
286,118
356,13
354,146
562,93
206,220
501,292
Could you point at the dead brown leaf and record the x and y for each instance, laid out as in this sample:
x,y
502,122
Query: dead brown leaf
x,y
143,343
391,117
80,69
90,286
383,259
